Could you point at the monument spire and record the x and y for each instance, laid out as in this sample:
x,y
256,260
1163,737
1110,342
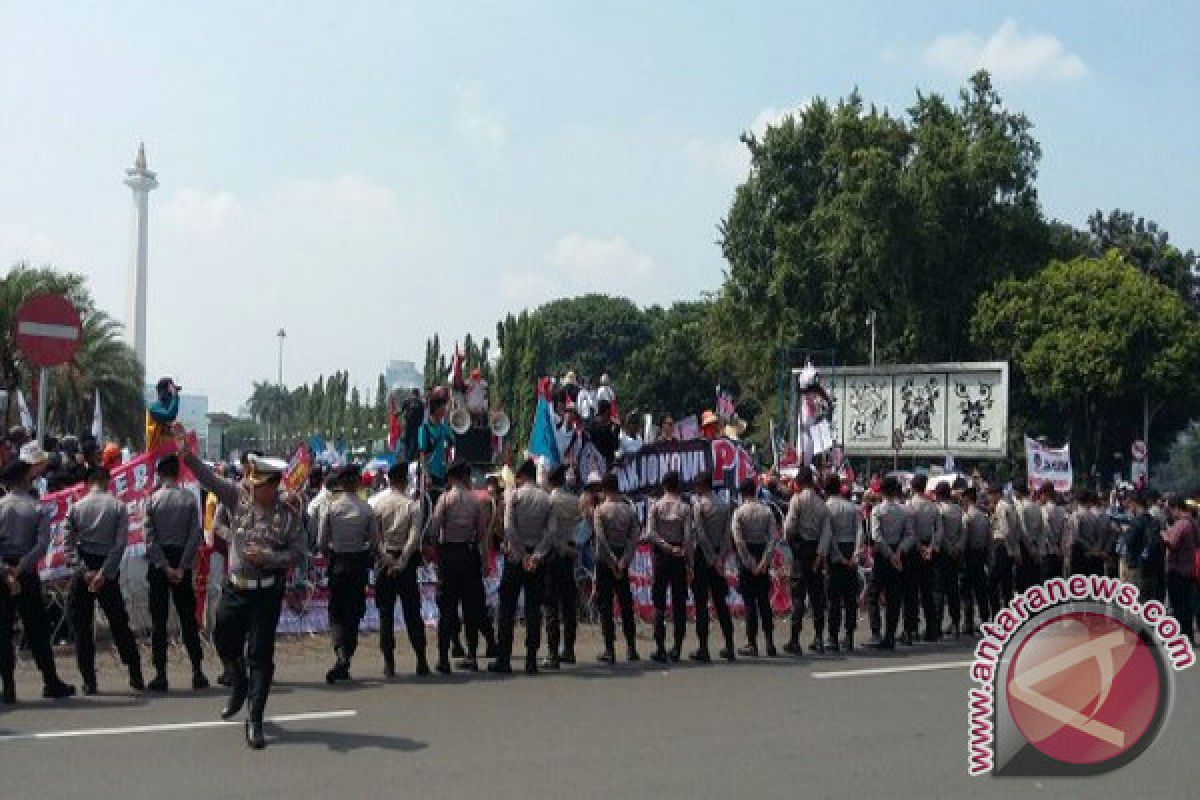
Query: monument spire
x,y
142,181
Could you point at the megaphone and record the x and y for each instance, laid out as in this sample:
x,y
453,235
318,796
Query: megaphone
x,y
460,421
500,424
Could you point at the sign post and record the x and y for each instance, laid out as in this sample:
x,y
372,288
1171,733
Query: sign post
x,y
48,332
897,446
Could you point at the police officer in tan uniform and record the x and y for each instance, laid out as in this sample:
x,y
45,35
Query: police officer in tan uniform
x,y
712,543
755,535
668,527
891,532
460,527
838,550
615,524
948,541
266,538
977,555
561,598
806,523
400,519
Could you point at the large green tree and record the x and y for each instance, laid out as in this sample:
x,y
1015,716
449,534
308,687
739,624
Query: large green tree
x,y
1146,246
1093,341
669,373
848,209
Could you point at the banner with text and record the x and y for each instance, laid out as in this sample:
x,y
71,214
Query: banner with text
x,y
1044,463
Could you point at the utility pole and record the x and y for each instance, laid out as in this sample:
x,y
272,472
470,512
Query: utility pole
x,y
871,322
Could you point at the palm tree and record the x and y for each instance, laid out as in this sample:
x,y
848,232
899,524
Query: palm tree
x,y
270,404
104,362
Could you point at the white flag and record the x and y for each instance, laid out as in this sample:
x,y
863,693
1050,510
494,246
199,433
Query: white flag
x,y
98,421
26,417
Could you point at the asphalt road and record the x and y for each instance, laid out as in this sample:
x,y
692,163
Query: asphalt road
x,y
759,728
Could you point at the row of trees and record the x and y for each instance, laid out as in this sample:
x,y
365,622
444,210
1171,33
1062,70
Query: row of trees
x,y
104,364
931,220
330,407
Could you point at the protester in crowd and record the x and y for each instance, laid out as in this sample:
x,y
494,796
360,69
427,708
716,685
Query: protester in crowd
x,y
477,397
398,518
265,539
1181,541
615,526
348,535
434,442
603,433
669,531
413,411
666,430
161,414
24,537
561,594
1154,560
606,393
712,546
755,536
1134,542
710,425
96,531
529,528
171,526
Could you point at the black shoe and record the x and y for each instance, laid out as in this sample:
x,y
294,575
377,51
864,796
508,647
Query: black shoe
x,y
932,635
422,668
817,646
553,664
135,679
442,667
199,681
90,689
886,643
237,699
159,684
607,657
456,650
8,695
254,734
659,655
389,666
700,656
727,654
750,650
848,644
675,653
468,664
874,640
793,648
340,672
531,664
771,651
489,652
225,679
568,657
905,639
833,646
500,668
631,654
58,690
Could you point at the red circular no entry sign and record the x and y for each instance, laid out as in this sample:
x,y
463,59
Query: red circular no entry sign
x,y
47,329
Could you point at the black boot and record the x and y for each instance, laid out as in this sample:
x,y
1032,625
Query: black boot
x,y
55,689
456,648
833,646
422,665
608,656
660,654
676,652
631,653
255,739
389,664
818,644
531,662
750,649
159,683
771,651
8,695
261,686
848,643
135,677
501,666
701,655
239,685
792,647
552,663
199,680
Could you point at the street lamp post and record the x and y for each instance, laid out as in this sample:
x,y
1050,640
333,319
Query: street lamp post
x,y
871,322
282,334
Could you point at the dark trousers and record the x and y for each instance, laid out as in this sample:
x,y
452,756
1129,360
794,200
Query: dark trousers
x,y
708,581
843,598
1001,583
1154,579
460,583
885,582
515,580
403,584
608,584
245,639
348,573
162,594
669,571
756,592
807,579
561,604
32,610
947,574
1052,566
1179,589
975,587
81,609
917,582
1028,572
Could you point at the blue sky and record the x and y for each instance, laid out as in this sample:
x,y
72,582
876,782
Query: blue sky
x,y
365,176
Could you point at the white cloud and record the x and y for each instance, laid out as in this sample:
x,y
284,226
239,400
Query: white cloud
x,y
521,290
475,121
599,263
1009,54
729,157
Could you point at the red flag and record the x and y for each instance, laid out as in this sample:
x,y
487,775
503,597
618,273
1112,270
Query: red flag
x,y
393,425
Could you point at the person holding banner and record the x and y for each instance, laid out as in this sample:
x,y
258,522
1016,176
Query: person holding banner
x,y
755,535
348,535
529,528
712,544
399,519
24,537
669,530
96,531
615,524
173,534
266,538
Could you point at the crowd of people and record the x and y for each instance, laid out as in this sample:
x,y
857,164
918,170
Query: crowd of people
x,y
932,563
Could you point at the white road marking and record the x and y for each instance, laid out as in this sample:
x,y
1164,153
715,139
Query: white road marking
x,y
48,330
854,673
171,726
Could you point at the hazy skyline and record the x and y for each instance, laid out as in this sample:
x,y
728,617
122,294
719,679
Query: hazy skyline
x,y
367,176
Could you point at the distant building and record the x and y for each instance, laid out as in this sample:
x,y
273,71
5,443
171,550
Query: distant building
x,y
403,375
193,413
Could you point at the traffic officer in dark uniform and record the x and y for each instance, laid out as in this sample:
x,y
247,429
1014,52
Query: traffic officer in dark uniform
x,y
96,531
807,521
615,524
266,538
977,554
948,540
837,550
668,527
399,520
529,528
891,532
173,534
24,537
348,535
918,576
459,527
755,535
562,596
713,542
